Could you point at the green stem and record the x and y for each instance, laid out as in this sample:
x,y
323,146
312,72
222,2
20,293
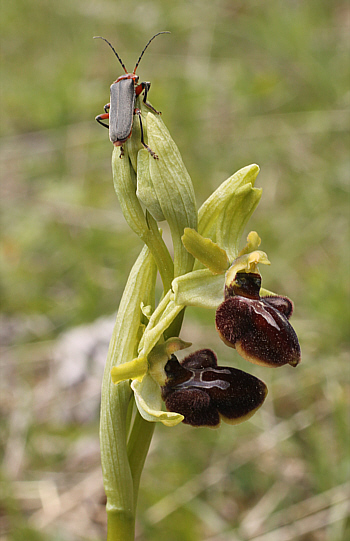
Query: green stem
x,y
175,327
138,445
120,526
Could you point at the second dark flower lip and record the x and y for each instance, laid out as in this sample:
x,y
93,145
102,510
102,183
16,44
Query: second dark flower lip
x,y
257,327
205,393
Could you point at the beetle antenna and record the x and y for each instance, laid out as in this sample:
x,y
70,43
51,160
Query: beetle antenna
x,y
141,55
115,52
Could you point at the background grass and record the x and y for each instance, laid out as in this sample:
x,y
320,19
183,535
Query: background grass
x,y
238,83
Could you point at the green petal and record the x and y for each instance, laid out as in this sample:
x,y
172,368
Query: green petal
x,y
247,263
267,293
135,369
199,288
149,403
253,243
206,251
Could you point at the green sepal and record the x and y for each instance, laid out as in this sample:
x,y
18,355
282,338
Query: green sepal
x,y
220,217
206,251
149,403
234,217
199,288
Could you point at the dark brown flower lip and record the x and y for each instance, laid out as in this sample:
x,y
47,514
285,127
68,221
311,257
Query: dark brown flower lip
x,y
205,393
258,327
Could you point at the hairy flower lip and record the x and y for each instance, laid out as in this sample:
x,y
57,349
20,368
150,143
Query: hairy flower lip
x,y
257,327
205,393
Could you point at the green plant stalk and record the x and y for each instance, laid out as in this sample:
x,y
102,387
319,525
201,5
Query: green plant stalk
x,y
137,449
120,526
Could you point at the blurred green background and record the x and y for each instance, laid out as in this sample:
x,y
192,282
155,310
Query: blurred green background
x,y
238,82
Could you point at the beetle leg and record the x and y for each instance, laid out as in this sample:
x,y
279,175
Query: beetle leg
x,y
121,152
153,154
107,107
99,119
145,87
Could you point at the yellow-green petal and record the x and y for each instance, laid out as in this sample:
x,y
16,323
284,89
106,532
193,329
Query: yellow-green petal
x,y
253,243
246,263
206,251
135,369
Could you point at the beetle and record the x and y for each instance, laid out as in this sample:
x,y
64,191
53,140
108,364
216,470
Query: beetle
x,y
121,109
